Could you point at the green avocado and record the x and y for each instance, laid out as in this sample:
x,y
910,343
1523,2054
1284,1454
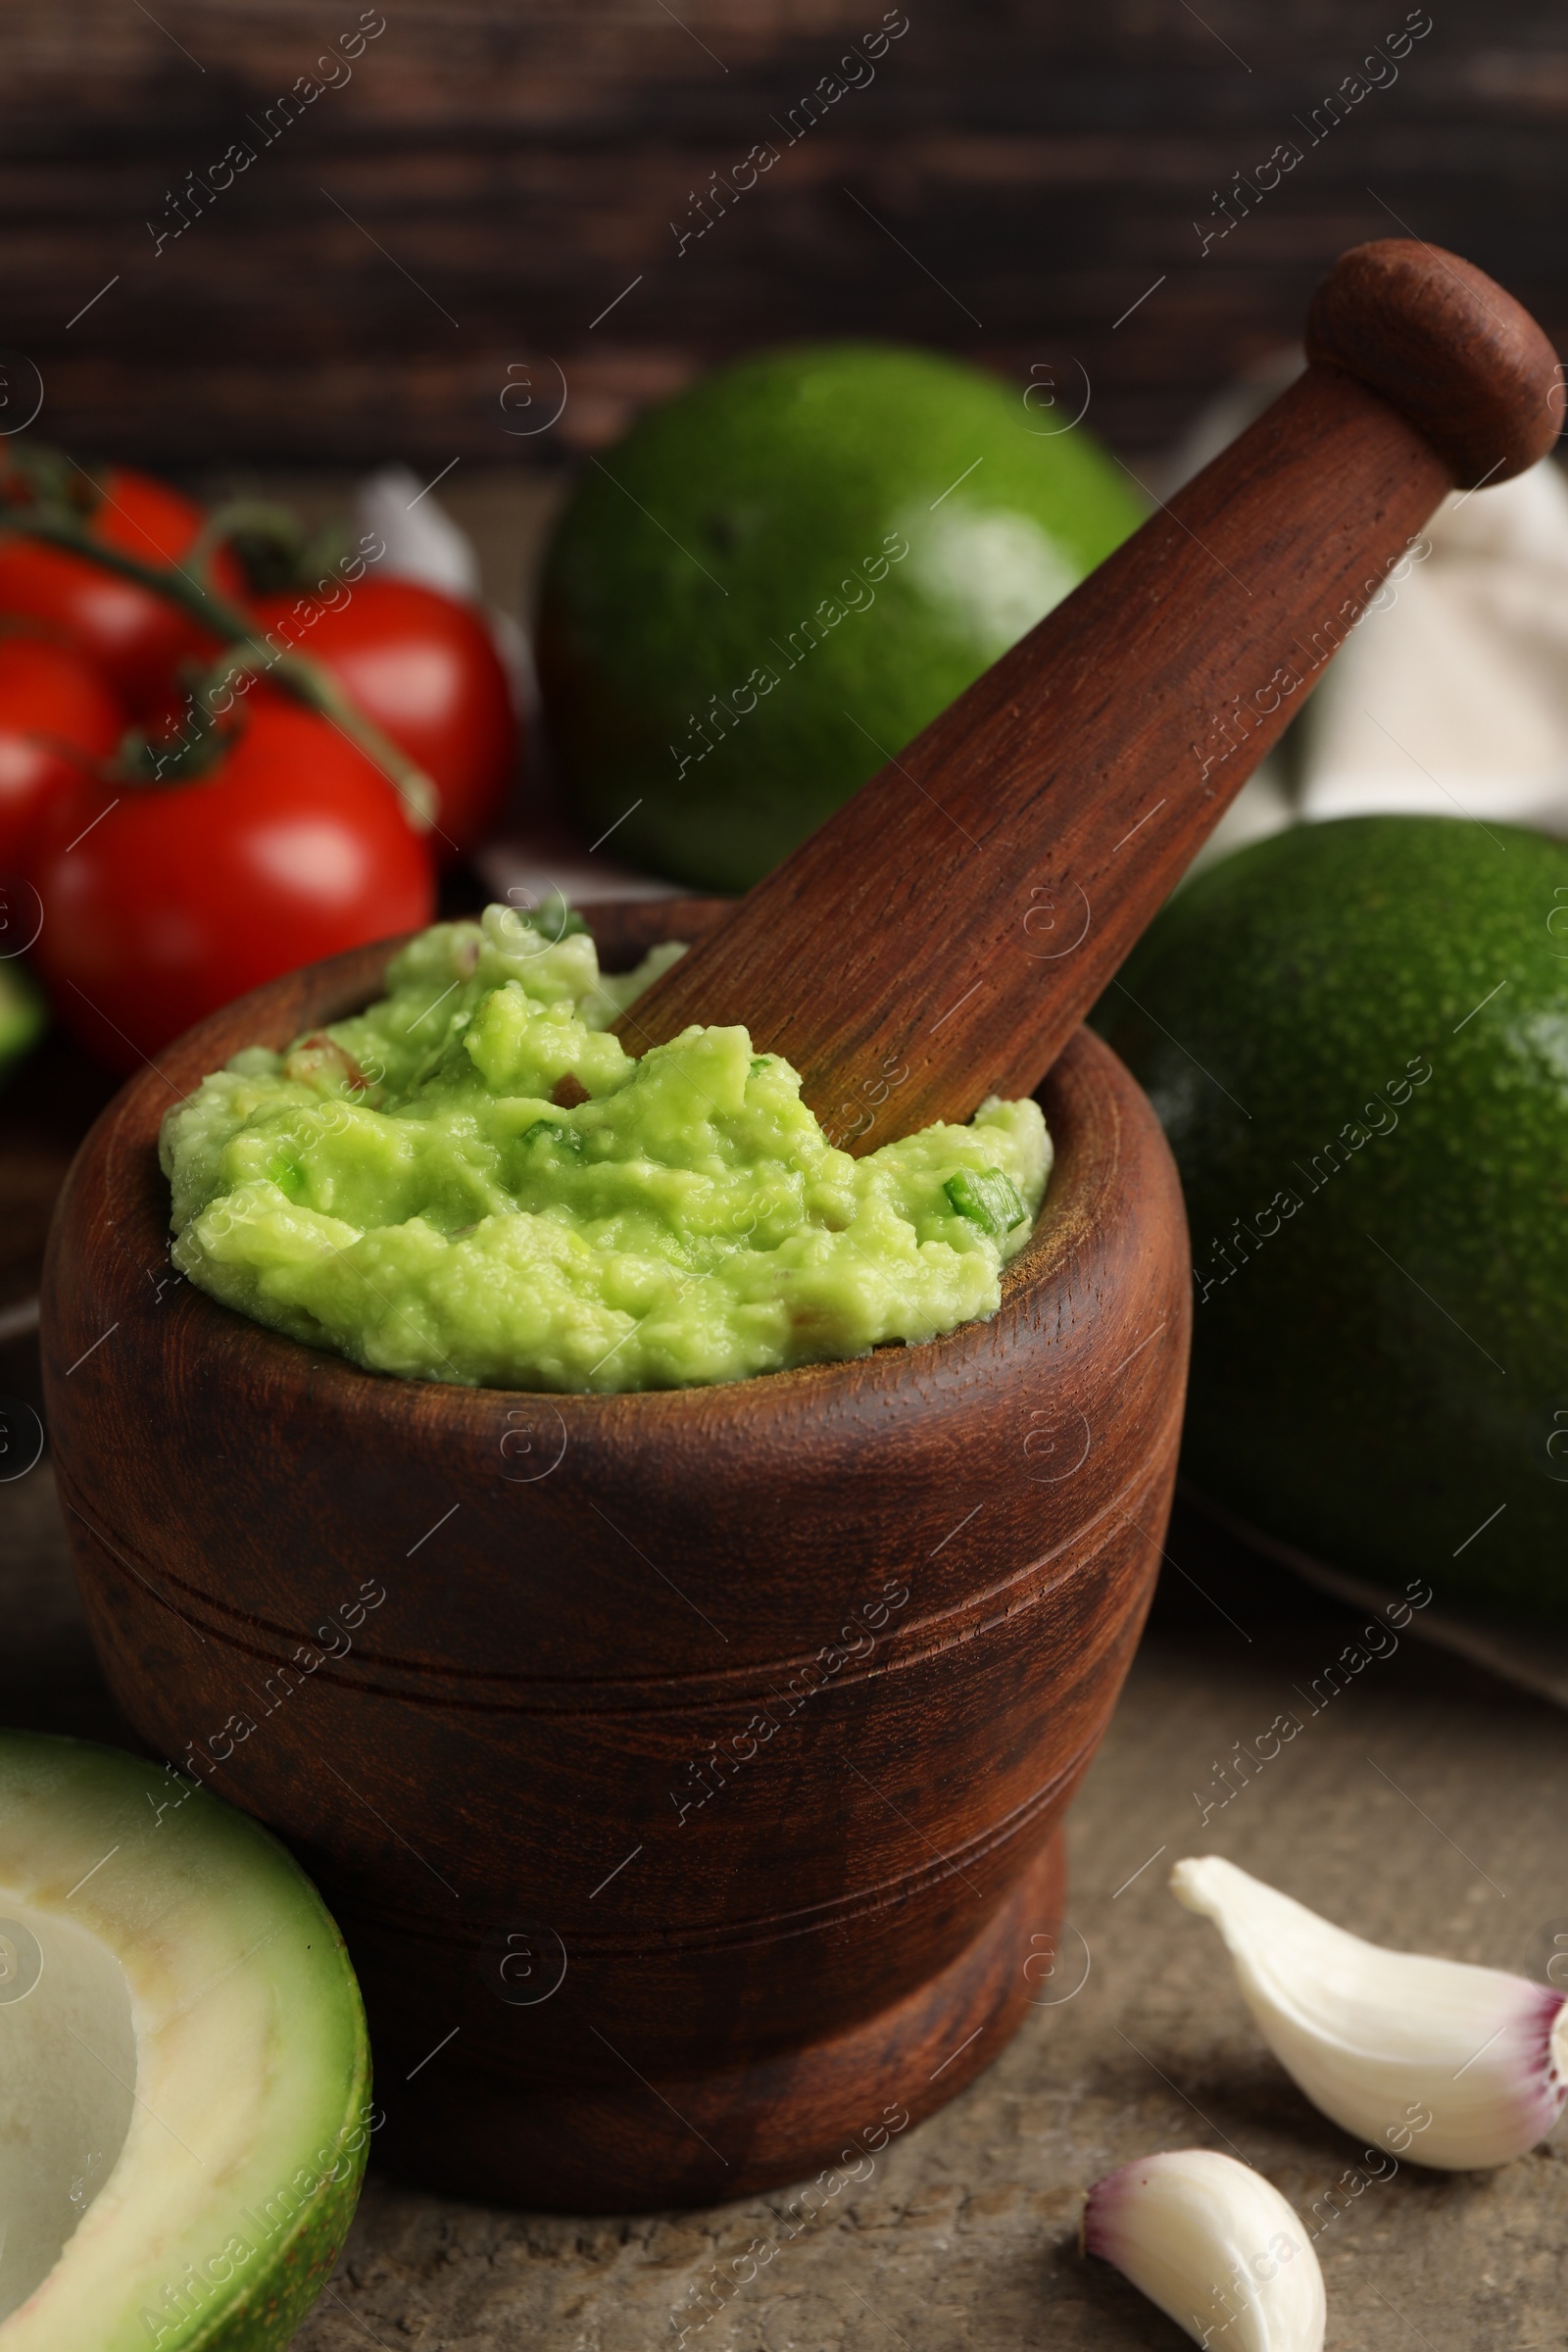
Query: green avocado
x,y
185,2075
1356,1037
23,1014
782,574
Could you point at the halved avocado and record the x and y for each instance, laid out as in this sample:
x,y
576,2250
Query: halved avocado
x,y
184,2073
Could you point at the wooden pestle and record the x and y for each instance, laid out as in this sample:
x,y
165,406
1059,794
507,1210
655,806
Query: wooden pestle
x,y
939,936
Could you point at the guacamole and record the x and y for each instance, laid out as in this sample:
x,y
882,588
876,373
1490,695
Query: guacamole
x,y
406,1188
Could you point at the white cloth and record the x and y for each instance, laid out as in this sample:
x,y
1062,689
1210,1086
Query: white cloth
x,y
1452,699
422,542
1451,696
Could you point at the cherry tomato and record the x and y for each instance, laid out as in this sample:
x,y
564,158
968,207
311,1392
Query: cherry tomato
x,y
57,716
424,667
136,638
160,902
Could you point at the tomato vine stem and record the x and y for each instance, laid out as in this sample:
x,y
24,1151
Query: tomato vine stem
x,y
306,681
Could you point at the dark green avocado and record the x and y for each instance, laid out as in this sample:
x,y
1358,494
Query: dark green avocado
x,y
1356,1037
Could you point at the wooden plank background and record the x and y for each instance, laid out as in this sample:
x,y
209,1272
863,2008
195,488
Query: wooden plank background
x,y
488,177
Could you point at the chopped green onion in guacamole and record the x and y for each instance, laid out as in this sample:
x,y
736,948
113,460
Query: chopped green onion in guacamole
x,y
989,1200
405,1188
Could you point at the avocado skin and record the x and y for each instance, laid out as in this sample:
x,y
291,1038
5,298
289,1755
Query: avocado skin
x,y
1380,1367
703,554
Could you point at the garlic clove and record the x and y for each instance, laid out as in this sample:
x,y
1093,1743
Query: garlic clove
x,y
1216,2245
1457,2066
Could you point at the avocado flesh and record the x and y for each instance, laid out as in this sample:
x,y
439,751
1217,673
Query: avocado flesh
x,y
70,2059
183,2066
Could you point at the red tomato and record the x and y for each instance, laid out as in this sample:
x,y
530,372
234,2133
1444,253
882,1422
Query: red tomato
x,y
136,638
164,900
424,667
57,716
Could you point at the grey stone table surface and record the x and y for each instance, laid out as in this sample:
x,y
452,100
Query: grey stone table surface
x,y
1421,1803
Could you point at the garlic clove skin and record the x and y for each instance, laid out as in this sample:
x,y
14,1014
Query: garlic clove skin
x,y
1457,2067
1216,2245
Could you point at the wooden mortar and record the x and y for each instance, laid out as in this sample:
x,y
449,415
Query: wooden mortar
x,y
927,1570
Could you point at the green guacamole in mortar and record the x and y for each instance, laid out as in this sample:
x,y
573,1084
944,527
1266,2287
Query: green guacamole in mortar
x,y
402,1188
